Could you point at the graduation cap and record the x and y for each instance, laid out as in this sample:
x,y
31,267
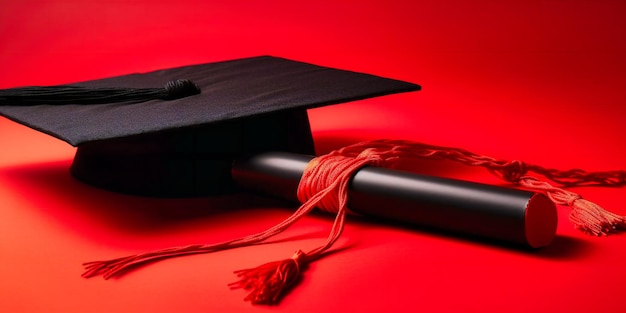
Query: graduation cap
x,y
175,132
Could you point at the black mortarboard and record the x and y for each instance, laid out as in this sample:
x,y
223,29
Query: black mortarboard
x,y
185,146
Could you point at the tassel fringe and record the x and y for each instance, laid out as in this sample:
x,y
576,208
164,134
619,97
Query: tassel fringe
x,y
591,219
268,282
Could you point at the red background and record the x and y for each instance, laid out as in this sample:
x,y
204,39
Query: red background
x,y
541,81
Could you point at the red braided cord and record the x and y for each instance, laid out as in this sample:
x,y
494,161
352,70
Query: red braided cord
x,y
325,185
586,216
392,150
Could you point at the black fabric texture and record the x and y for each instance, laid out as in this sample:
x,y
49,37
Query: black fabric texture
x,y
230,90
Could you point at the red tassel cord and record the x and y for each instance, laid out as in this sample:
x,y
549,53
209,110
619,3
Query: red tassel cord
x,y
325,185
266,283
585,215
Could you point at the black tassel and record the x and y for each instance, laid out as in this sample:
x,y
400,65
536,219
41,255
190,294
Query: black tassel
x,y
66,94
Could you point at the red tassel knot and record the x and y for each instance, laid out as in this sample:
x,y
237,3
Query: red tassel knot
x,y
512,171
267,282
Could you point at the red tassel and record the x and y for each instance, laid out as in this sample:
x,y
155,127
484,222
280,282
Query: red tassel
x,y
268,282
586,216
592,219
325,185
327,189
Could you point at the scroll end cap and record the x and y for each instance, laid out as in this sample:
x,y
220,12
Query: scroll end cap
x,y
541,221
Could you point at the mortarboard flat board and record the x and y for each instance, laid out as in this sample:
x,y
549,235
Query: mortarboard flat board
x,y
185,147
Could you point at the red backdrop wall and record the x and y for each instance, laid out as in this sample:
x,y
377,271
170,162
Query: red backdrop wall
x,y
541,81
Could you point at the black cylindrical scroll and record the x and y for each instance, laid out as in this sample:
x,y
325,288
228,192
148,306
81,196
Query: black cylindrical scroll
x,y
502,214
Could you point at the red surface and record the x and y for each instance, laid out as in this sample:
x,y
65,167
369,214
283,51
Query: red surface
x,y
541,81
